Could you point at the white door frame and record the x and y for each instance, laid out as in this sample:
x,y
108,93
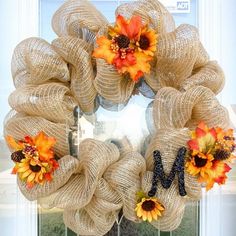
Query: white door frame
x,y
28,26
209,23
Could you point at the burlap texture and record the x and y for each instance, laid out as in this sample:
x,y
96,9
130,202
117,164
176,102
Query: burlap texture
x,y
180,61
35,62
36,100
172,108
105,179
74,16
210,76
100,187
93,197
77,52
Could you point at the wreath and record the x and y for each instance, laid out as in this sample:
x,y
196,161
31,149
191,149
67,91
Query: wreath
x,y
93,63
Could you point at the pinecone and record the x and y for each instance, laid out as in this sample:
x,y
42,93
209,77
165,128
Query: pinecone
x,y
222,154
17,156
123,41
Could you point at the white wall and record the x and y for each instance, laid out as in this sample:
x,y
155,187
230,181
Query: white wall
x,y
228,29
17,21
8,40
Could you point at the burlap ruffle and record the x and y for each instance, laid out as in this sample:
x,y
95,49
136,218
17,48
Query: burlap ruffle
x,y
77,52
172,108
105,179
35,62
37,101
74,16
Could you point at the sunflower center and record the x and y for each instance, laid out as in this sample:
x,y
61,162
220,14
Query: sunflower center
x,y
200,162
36,168
144,42
123,41
221,155
148,205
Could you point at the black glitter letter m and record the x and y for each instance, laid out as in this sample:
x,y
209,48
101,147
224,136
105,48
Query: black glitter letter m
x,y
166,181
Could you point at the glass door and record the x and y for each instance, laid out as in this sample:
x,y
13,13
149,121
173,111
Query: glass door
x,y
51,221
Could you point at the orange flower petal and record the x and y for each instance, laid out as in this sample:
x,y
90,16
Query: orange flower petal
x,y
213,132
142,66
203,126
48,177
14,171
13,144
134,27
193,145
131,28
104,50
200,132
130,60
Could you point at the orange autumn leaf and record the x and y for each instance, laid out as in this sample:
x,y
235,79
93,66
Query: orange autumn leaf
x,y
142,61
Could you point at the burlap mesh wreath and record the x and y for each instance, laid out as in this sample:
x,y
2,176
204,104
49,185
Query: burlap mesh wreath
x,y
50,79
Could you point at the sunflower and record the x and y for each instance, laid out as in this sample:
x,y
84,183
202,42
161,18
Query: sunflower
x,y
147,42
199,164
130,46
34,158
32,171
149,209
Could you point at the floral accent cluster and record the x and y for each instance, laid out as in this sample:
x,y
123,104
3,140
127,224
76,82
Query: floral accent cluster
x,y
148,208
211,150
34,158
130,46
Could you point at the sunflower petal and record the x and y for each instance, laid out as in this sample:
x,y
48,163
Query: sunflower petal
x,y
31,177
26,174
